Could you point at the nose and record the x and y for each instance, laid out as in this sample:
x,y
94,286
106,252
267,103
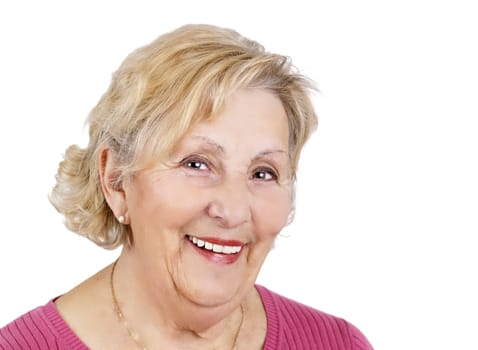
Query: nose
x,y
230,204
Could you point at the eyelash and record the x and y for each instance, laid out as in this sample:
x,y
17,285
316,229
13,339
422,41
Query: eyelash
x,y
196,163
273,175
189,162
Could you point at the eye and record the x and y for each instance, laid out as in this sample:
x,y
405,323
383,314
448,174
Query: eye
x,y
196,164
265,175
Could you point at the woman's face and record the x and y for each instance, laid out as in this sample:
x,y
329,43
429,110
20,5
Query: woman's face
x,y
203,223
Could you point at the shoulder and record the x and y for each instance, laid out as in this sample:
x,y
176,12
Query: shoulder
x,y
29,331
293,325
38,329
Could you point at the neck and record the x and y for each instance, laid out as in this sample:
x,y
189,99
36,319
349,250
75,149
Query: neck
x,y
159,311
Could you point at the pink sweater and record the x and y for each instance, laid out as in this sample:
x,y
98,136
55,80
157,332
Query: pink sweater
x,y
290,325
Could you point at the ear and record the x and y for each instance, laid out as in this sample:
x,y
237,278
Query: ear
x,y
112,189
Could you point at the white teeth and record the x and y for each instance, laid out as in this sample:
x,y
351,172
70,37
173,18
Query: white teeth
x,y
231,250
228,250
216,248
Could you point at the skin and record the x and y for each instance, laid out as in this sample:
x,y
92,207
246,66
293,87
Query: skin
x,y
228,178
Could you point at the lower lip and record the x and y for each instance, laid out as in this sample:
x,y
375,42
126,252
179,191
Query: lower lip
x,y
217,257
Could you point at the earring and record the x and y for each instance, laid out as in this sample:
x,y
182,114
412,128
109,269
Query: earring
x,y
121,219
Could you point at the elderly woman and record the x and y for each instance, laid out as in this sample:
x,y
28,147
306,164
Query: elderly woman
x,y
190,168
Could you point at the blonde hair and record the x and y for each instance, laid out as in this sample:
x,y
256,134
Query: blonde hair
x,y
156,95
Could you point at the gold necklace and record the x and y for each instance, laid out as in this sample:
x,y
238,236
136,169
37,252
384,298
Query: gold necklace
x,y
134,335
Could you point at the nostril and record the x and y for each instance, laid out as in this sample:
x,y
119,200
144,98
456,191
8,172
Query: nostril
x,y
229,214
230,202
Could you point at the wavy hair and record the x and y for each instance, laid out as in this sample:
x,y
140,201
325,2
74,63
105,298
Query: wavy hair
x,y
159,91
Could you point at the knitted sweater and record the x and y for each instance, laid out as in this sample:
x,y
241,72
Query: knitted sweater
x,y
290,325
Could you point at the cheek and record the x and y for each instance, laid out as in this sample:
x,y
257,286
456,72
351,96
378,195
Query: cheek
x,y
166,205
272,213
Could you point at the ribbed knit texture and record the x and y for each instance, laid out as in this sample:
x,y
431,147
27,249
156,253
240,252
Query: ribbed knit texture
x,y
290,325
40,329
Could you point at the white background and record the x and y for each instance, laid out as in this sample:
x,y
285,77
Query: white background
x,y
385,233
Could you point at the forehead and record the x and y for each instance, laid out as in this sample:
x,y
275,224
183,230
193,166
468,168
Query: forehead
x,y
250,117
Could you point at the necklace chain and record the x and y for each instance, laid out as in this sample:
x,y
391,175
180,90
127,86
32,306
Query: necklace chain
x,y
133,334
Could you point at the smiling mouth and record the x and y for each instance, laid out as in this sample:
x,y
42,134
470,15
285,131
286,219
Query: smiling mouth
x,y
214,247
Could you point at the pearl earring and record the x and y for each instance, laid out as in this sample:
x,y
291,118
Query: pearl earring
x,y
121,219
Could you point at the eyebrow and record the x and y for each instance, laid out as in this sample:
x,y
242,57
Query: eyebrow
x,y
221,150
210,142
268,152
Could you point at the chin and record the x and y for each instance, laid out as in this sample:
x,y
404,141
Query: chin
x,y
212,294
209,279
208,284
